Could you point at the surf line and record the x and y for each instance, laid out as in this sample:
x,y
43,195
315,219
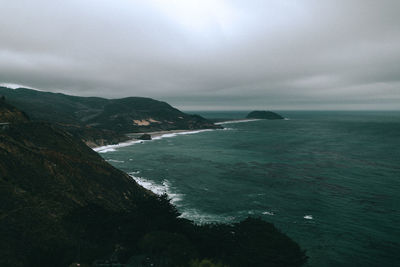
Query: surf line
x,y
236,121
154,135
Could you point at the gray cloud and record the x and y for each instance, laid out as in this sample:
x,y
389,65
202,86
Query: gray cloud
x,y
208,54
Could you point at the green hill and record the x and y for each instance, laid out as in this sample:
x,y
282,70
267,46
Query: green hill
x,y
125,115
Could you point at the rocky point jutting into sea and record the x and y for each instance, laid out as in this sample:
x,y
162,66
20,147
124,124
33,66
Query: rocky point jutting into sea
x,y
99,121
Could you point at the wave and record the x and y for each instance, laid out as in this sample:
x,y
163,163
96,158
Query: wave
x,y
202,218
111,148
308,217
236,121
188,213
158,189
268,213
114,160
169,135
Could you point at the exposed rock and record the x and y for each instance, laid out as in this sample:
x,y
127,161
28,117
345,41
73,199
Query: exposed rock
x,y
144,137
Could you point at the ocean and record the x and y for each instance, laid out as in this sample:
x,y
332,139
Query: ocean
x,y
329,180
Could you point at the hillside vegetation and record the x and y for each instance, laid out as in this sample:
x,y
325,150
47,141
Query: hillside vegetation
x,y
125,115
60,203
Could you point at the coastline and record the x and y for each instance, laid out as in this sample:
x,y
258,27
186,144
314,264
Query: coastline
x,y
157,135
236,121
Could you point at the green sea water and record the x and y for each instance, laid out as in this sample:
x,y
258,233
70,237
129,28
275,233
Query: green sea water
x,y
330,180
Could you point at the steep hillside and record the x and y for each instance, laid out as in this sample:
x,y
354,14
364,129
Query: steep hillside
x,y
9,114
60,202
45,174
126,115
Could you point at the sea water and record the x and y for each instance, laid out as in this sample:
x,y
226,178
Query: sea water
x,y
329,180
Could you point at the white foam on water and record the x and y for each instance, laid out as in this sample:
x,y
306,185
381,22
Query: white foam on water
x,y
164,136
236,121
158,189
268,213
169,135
104,149
175,197
149,185
114,160
195,132
202,218
308,217
166,188
111,148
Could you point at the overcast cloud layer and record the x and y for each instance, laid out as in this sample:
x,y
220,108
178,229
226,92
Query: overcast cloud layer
x,y
214,54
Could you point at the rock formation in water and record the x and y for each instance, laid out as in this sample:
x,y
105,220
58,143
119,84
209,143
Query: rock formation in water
x,y
144,137
267,115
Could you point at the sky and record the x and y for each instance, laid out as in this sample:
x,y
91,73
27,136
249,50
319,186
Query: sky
x,y
208,54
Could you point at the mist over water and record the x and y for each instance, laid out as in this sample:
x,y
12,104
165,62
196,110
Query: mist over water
x,y
330,180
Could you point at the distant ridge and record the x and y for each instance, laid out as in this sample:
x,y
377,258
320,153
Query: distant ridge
x,y
107,118
131,114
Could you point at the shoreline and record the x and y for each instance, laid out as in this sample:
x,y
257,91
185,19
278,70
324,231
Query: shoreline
x,y
157,135
236,121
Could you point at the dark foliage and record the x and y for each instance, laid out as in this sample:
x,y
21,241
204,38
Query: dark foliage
x,y
166,240
115,115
